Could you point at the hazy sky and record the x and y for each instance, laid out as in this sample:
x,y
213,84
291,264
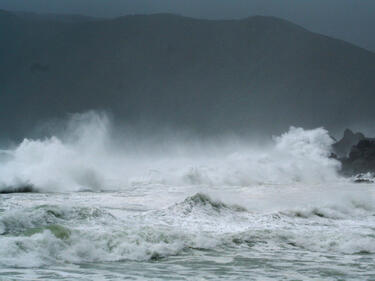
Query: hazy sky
x,y
351,20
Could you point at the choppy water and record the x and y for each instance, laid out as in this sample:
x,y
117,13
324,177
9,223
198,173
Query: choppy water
x,y
107,211
161,233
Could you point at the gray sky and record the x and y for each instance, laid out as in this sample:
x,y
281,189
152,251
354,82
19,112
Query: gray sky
x,y
351,20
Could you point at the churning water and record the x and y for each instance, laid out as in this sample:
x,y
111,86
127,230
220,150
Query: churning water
x,y
225,210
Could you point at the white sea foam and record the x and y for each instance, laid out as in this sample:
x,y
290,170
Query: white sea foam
x,y
185,205
45,235
85,157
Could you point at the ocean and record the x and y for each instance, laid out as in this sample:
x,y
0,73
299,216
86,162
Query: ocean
x,y
106,209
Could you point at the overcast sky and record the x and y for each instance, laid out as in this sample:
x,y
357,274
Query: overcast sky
x,y
351,20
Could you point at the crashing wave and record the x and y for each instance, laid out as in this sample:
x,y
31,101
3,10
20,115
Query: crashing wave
x,y
203,202
57,234
21,220
364,178
85,157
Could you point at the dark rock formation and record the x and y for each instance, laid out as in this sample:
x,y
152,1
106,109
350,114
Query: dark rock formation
x,y
357,156
17,189
361,158
343,146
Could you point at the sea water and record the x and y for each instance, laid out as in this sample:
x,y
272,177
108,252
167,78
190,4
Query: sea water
x,y
218,210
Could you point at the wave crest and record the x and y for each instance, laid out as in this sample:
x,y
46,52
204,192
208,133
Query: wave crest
x,y
86,157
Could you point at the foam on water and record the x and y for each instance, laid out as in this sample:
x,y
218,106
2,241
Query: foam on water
x,y
46,235
266,212
84,157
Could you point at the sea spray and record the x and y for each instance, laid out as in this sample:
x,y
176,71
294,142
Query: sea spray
x,y
84,156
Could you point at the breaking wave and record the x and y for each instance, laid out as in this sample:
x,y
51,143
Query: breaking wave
x,y
222,201
59,234
85,157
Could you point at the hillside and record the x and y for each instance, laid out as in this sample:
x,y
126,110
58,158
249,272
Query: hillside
x,y
256,74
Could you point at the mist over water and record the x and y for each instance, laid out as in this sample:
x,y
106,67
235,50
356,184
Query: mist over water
x,y
86,155
178,181
115,205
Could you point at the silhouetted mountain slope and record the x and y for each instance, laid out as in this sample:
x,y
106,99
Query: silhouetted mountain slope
x,y
55,17
258,73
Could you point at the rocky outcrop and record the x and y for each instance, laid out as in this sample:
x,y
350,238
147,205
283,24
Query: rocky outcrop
x,y
342,147
356,154
17,189
361,158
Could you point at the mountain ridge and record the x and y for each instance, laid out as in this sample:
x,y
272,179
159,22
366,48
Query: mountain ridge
x,y
208,75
